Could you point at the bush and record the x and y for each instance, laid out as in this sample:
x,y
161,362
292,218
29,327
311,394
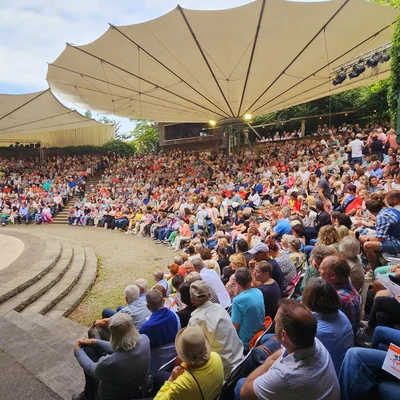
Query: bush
x,y
114,146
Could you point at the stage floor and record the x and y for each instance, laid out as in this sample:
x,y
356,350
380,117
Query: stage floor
x,y
10,249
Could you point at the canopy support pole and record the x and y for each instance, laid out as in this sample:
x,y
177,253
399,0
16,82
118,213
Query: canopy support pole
x,y
254,131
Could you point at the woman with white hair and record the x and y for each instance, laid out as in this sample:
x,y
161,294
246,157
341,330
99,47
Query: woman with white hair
x,y
123,369
349,248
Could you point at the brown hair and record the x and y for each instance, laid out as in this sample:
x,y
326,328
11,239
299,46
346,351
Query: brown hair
x,y
320,296
265,266
298,322
161,289
328,235
205,254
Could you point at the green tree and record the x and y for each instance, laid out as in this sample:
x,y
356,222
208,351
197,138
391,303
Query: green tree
x,y
119,147
394,82
145,136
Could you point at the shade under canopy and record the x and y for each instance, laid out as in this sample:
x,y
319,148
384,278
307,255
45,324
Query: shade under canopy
x,y
38,112
193,66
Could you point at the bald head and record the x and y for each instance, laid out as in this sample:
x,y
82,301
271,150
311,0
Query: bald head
x,y
334,269
393,198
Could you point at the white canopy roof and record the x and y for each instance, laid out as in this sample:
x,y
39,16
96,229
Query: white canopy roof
x,y
38,112
191,65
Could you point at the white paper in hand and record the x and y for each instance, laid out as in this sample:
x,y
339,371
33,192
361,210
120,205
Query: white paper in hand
x,y
392,361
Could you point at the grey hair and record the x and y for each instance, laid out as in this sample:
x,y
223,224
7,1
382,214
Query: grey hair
x,y
286,211
178,260
198,264
193,276
124,335
154,300
293,242
349,246
132,293
198,247
142,284
321,251
159,274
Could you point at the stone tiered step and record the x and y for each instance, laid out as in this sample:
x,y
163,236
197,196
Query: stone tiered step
x,y
44,347
69,279
30,275
80,289
56,283
23,299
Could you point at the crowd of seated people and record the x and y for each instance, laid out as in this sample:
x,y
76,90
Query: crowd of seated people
x,y
34,191
285,240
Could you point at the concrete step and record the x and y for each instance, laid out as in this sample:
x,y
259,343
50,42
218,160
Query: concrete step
x,y
79,291
23,299
40,345
35,272
61,289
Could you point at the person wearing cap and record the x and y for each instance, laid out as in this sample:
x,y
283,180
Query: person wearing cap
x,y
248,312
260,252
125,367
356,146
217,326
199,376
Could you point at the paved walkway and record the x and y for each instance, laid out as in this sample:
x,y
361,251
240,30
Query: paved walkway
x,y
17,383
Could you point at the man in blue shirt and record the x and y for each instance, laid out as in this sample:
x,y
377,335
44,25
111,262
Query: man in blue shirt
x,y
248,312
163,325
24,213
376,171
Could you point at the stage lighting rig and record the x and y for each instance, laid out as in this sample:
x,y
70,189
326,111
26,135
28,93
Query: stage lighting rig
x,y
373,61
385,57
355,67
340,78
358,69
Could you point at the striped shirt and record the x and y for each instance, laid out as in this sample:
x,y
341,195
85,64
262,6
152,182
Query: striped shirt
x,y
351,303
385,220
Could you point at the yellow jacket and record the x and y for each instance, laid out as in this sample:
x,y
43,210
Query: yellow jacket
x,y
210,377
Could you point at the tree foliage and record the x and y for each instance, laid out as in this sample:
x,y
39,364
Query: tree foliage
x,y
369,103
145,136
113,146
394,82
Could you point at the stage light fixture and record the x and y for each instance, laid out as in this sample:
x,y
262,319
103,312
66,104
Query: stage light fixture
x,y
11,146
37,145
248,117
385,57
373,61
212,122
340,78
358,69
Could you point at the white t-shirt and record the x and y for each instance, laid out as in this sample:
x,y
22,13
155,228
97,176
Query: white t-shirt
x,y
356,148
214,281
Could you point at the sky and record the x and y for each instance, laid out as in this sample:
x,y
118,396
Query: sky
x,y
34,33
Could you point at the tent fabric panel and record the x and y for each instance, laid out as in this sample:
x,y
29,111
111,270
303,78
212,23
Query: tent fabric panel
x,y
88,136
157,70
38,113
